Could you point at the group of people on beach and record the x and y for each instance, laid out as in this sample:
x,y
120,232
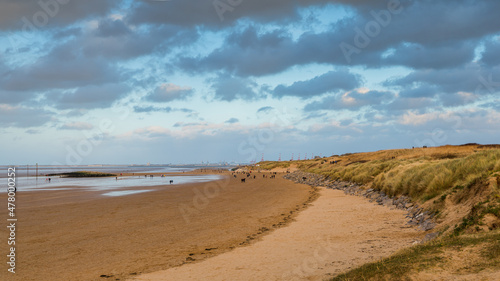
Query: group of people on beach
x,y
150,176
248,174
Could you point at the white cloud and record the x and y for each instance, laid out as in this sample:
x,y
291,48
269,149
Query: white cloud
x,y
169,92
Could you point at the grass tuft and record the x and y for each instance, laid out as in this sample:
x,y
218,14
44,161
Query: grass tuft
x,y
428,256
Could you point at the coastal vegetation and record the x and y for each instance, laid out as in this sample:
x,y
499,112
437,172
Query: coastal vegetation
x,y
465,255
459,185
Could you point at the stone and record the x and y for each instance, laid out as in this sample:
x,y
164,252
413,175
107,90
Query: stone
x,y
427,225
429,237
416,216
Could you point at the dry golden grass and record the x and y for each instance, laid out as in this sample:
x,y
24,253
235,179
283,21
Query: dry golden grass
x,y
422,173
441,178
460,184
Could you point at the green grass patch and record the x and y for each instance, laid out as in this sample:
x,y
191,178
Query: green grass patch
x,y
266,165
492,251
476,215
425,256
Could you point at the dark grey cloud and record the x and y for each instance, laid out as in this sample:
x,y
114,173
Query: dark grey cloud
x,y
472,79
423,91
110,28
248,53
114,39
432,23
36,15
23,117
148,109
32,131
11,97
421,56
229,88
353,100
332,81
221,13
316,115
458,99
446,38
169,92
410,103
190,124
167,109
217,13
67,32
232,120
78,126
265,109
495,105
435,88
491,53
88,97
60,71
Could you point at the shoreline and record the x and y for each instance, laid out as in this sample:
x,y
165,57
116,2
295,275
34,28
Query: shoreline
x,y
287,203
74,235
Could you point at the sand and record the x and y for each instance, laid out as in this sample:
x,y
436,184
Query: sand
x,y
263,229
80,235
336,233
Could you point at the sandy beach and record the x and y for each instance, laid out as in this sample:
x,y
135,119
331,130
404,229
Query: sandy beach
x,y
224,230
72,235
336,233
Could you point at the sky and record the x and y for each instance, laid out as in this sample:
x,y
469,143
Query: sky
x,y
135,82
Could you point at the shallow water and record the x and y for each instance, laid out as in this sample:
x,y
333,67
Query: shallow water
x,y
31,170
110,184
124,192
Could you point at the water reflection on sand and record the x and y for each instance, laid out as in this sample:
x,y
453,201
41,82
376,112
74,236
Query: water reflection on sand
x,y
111,185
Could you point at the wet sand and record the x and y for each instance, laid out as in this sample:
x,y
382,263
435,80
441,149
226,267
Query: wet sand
x,y
81,235
336,233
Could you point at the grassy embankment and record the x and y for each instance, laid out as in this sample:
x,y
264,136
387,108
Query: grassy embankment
x,y
459,184
82,174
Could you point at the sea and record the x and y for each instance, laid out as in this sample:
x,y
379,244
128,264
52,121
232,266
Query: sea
x,y
27,180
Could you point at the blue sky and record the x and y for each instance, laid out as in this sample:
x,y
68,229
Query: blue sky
x,y
123,82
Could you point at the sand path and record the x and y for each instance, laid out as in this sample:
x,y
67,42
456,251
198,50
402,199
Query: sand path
x,y
336,233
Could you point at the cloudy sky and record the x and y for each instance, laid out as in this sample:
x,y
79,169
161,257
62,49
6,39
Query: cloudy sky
x,y
121,82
